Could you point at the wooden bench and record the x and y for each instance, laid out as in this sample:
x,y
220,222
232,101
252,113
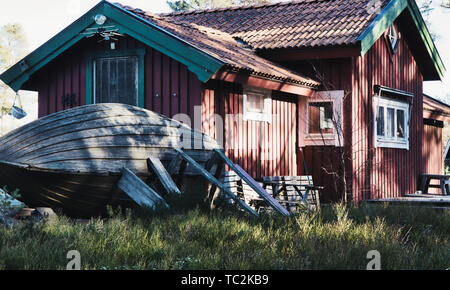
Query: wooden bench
x,y
294,191
444,183
287,190
240,188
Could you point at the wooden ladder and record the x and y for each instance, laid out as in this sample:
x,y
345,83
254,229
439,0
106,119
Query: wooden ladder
x,y
144,195
253,184
202,171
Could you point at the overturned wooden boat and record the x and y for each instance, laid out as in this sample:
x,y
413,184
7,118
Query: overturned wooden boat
x,y
74,159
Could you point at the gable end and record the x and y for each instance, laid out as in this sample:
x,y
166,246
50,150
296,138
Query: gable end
x,y
197,61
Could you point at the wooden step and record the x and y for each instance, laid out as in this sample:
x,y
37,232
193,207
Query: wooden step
x,y
156,167
140,192
253,184
216,182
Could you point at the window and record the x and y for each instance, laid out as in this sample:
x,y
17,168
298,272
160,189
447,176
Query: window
x,y
257,105
323,119
320,118
116,80
393,37
391,123
115,76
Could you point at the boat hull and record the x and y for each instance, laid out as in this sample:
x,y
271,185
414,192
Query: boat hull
x,y
72,160
84,195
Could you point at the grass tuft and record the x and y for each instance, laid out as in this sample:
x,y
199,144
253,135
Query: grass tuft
x,y
337,237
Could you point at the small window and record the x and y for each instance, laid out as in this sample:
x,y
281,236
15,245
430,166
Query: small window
x,y
391,123
320,118
393,37
257,105
116,80
380,121
323,119
400,123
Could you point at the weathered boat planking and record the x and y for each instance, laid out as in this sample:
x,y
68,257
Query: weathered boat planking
x,y
74,159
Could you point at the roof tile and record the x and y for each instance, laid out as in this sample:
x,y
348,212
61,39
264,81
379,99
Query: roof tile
x,y
302,23
223,46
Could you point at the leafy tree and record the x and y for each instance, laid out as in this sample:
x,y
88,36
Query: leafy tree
x,y
185,5
13,46
426,8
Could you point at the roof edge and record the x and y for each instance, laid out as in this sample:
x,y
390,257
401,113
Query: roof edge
x,y
430,98
427,39
244,78
381,22
199,62
387,16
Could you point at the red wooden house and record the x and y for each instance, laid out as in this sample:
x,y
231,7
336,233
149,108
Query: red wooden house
x,y
338,82
434,147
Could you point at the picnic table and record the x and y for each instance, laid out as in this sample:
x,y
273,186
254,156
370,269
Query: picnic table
x,y
279,187
444,183
292,191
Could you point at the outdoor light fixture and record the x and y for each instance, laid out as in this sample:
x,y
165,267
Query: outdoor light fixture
x,y
100,19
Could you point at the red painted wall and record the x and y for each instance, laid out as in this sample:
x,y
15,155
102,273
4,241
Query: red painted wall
x,y
261,148
375,173
384,172
169,87
371,173
432,152
323,162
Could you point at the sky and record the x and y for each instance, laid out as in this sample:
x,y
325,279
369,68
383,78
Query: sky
x,y
440,22
42,19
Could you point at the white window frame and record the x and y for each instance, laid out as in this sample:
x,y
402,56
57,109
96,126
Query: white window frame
x,y
266,115
330,139
391,142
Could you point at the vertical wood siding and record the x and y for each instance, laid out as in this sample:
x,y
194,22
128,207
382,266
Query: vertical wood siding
x,y
384,172
170,88
261,148
322,162
265,149
373,173
432,153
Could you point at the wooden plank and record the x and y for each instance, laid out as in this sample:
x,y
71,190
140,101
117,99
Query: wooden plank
x,y
217,174
163,176
253,184
140,192
216,182
175,164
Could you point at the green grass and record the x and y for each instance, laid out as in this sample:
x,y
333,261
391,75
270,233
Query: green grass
x,y
336,238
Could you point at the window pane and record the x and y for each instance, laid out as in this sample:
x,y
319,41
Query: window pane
x,y
380,121
400,124
255,103
116,80
321,117
390,122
